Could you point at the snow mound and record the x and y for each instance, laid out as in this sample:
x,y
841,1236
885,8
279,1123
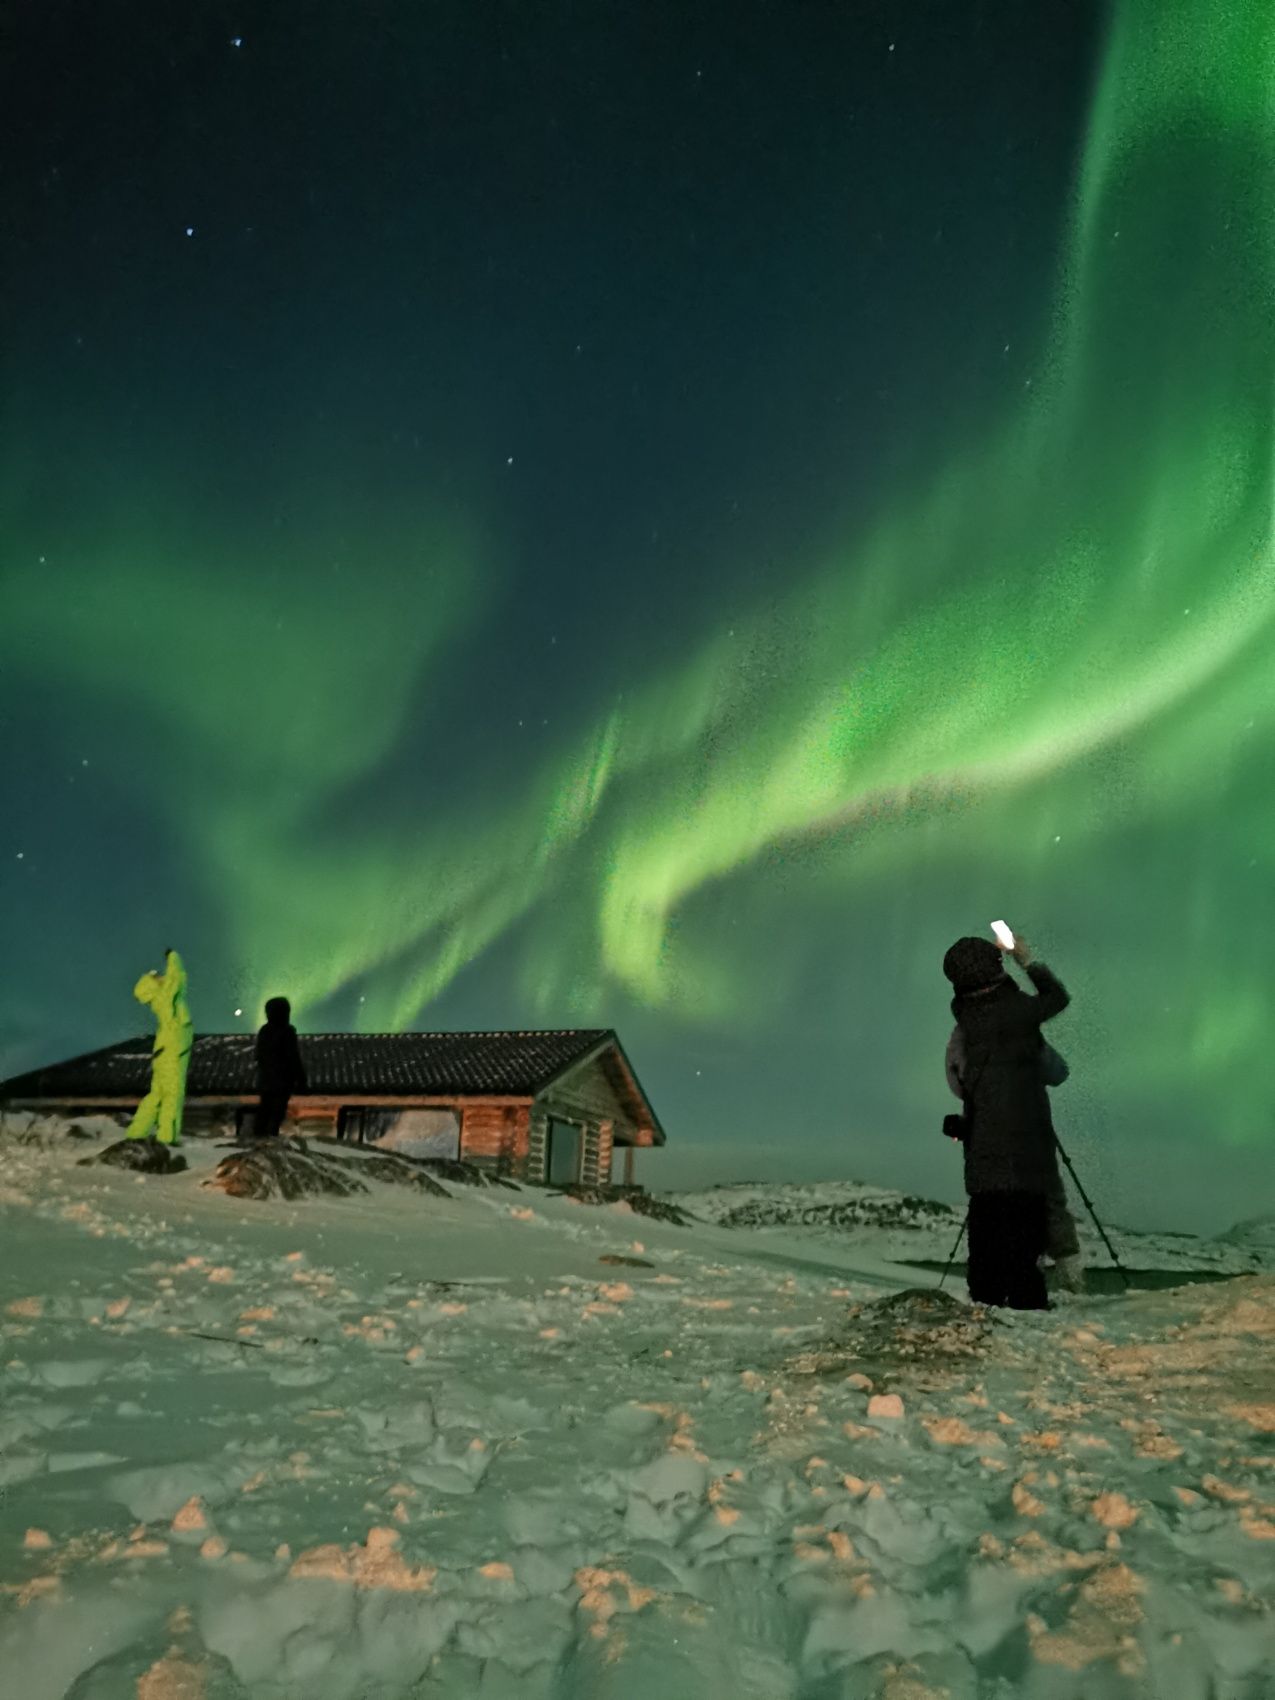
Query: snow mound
x,y
917,1330
820,1204
30,1127
465,1174
1255,1233
140,1157
297,1168
641,1203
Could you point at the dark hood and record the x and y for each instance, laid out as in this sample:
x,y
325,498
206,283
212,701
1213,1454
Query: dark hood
x,y
973,964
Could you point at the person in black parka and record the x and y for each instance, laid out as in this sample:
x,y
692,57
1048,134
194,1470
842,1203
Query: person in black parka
x,y
280,1071
1010,1162
1062,1242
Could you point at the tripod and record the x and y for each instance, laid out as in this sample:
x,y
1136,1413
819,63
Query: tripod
x,y
1124,1273
964,1224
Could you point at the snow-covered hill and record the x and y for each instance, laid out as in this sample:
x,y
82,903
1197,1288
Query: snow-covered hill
x,y
501,1445
1256,1233
900,1227
840,1204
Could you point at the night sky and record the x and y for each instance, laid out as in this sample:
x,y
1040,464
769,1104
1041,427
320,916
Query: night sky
x,y
656,516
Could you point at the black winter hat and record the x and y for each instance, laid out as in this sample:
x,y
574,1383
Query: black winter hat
x,y
973,963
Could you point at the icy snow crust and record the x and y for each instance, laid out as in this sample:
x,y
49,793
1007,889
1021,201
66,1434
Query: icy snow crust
x,y
388,1445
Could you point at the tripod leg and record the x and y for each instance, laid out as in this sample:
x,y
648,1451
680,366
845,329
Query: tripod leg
x,y
1124,1274
955,1249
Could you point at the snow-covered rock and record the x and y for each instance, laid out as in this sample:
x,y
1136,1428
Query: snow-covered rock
x,y
1254,1234
299,1168
140,1156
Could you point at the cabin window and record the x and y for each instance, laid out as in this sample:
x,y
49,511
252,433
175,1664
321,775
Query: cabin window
x,y
565,1153
409,1132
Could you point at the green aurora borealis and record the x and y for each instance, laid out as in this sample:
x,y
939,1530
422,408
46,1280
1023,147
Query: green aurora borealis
x,y
1036,681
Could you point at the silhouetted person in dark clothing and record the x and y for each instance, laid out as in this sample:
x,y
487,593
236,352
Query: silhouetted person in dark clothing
x,y
1062,1242
1010,1162
280,1071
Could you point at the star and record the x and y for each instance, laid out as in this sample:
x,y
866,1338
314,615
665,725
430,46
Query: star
x,y
236,41
190,230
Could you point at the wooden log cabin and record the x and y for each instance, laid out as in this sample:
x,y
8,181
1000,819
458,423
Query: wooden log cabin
x,y
551,1108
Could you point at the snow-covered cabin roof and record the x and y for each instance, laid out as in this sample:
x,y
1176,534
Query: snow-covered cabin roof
x,y
352,1065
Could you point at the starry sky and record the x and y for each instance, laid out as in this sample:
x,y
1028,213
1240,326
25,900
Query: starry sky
x,y
660,517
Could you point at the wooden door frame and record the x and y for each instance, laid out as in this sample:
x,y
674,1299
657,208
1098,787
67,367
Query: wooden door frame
x,y
583,1130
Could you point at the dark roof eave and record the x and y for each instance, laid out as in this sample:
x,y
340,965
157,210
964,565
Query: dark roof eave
x,y
610,1040
424,1099
513,1065
656,1129
628,1143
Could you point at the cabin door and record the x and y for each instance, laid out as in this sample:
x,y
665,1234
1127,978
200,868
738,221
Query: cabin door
x,y
565,1154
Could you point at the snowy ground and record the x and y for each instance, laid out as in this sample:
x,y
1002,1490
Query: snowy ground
x,y
391,1446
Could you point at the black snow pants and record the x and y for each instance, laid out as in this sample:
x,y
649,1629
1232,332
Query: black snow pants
x,y
1006,1236
1061,1238
270,1114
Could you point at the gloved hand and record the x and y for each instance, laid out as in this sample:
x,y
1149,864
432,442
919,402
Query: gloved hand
x,y
1020,950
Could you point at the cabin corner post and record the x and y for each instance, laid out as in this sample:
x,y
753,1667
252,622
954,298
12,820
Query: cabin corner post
x,y
605,1147
537,1145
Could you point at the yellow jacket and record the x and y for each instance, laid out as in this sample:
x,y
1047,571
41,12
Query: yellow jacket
x,y
166,996
162,1106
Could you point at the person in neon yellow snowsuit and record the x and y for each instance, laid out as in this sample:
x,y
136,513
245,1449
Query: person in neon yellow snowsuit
x,y
161,1108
